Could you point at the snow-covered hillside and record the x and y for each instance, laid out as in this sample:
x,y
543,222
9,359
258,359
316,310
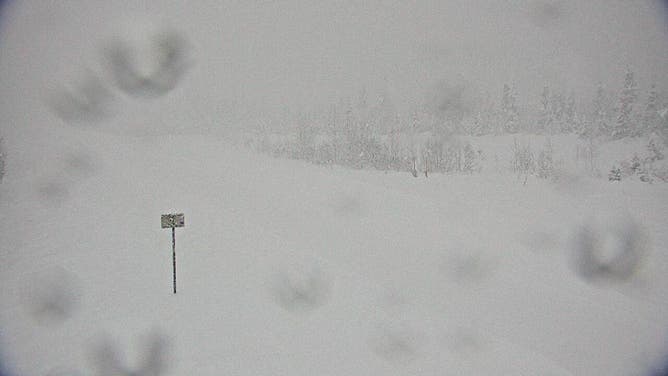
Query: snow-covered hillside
x,y
286,268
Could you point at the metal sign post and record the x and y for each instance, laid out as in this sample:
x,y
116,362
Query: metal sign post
x,y
173,221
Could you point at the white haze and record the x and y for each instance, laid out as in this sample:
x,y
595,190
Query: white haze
x,y
270,57
471,273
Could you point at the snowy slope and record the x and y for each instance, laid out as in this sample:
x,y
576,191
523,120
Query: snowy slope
x,y
286,268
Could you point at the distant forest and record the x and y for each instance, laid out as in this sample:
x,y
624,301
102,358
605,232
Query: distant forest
x,y
364,133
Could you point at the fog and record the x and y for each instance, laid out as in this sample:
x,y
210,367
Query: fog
x,y
263,59
371,187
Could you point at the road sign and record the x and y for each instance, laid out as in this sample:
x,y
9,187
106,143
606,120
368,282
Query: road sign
x,y
173,221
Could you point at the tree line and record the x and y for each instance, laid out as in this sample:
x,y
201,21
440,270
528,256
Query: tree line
x,y
364,133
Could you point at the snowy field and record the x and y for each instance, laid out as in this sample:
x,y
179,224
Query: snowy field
x,y
288,268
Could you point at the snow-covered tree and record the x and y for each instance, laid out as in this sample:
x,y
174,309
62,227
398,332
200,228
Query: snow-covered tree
x,y
2,159
615,174
470,159
654,150
651,119
627,98
483,118
558,107
600,122
544,162
570,122
523,161
305,136
509,110
545,120
477,125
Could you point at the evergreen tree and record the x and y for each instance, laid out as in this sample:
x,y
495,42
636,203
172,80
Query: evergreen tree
x,y
655,152
483,117
651,118
558,111
509,111
385,113
627,98
545,119
470,164
544,162
478,124
600,123
615,174
570,115
305,136
2,159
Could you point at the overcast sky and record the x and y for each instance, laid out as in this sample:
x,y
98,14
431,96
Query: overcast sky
x,y
303,54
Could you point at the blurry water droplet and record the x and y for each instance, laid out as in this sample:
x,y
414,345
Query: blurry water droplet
x,y
395,344
471,266
609,251
545,13
80,164
151,67
347,204
153,359
53,191
301,287
465,340
87,102
53,296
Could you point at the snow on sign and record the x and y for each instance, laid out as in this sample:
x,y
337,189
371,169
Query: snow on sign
x,y
172,220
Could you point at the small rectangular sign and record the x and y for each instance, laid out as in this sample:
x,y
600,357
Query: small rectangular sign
x,y
172,220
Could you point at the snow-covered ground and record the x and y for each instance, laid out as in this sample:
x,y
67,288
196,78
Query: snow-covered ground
x,y
286,268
